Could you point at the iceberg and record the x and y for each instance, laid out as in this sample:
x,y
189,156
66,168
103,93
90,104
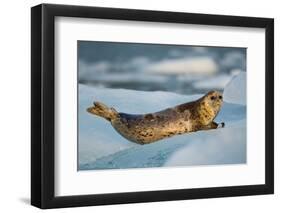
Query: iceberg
x,y
235,90
101,147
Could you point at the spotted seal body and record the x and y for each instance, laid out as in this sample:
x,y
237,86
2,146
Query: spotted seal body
x,y
151,127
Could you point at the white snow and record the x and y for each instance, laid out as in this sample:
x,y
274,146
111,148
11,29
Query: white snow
x,y
101,147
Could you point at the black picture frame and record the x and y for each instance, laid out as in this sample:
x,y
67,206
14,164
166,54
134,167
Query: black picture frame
x,y
43,102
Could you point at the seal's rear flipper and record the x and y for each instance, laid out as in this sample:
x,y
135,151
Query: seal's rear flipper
x,y
102,110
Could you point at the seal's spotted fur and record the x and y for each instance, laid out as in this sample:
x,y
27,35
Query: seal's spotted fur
x,y
148,128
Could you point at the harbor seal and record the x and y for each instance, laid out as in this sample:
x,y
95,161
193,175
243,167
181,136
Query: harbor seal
x,y
148,128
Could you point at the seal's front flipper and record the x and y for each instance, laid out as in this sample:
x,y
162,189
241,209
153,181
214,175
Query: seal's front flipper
x,y
213,125
216,125
102,110
221,125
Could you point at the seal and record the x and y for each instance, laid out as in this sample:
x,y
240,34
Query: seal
x,y
148,128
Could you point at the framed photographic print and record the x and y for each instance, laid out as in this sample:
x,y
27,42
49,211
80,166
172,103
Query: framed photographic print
x,y
139,106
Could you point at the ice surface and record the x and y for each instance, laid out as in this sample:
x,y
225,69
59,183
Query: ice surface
x,y
97,137
221,146
101,147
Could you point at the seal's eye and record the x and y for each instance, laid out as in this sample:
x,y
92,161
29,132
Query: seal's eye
x,y
213,97
220,97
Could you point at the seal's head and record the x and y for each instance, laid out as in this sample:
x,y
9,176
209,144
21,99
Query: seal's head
x,y
214,99
210,105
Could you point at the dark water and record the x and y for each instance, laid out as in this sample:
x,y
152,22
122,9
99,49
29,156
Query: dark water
x,y
127,65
